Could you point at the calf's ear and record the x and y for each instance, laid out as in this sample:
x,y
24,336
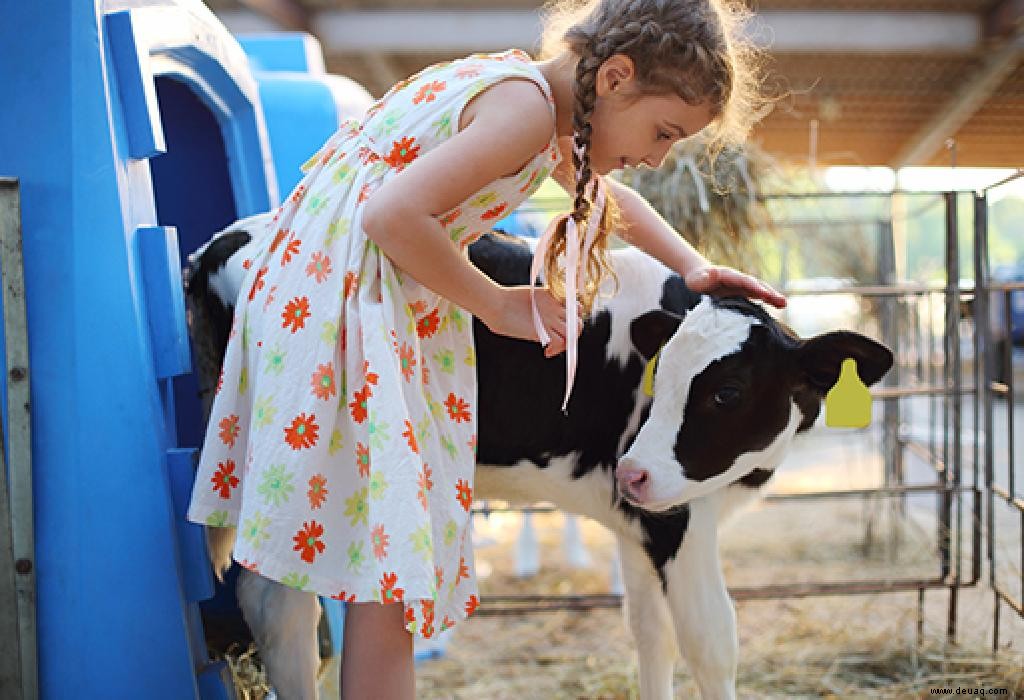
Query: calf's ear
x,y
821,357
652,330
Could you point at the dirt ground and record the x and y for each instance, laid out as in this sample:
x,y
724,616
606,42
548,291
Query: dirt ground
x,y
837,646
840,646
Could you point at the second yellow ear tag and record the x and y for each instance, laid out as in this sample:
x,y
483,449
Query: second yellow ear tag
x,y
848,403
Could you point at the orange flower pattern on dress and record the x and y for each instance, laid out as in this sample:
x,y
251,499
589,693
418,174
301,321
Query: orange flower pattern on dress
x,y
317,493
458,409
257,283
302,433
307,541
319,267
380,541
291,249
428,93
495,213
427,326
351,283
465,493
389,591
425,485
403,152
359,405
407,360
224,479
322,382
295,314
462,572
410,437
331,341
229,430
363,459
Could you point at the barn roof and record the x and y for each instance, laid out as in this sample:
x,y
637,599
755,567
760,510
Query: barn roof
x,y
867,82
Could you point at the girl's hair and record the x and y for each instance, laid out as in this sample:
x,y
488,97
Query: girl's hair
x,y
690,48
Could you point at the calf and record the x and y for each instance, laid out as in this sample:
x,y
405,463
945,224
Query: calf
x,y
727,389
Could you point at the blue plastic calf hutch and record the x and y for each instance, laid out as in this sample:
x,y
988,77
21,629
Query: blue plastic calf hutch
x,y
135,129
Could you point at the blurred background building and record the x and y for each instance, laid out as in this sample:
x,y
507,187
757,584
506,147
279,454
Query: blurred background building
x,y
869,82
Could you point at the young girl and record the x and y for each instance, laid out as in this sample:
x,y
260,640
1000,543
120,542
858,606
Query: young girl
x,y
342,435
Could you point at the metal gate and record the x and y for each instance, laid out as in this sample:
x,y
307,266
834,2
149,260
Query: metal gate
x,y
939,436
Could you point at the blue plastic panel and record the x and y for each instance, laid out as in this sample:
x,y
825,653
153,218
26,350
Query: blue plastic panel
x,y
161,278
215,682
196,575
135,83
284,51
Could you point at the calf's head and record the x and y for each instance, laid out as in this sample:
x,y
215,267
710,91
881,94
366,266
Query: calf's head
x,y
731,388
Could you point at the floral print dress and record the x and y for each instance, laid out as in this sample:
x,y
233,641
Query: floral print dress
x,y
342,436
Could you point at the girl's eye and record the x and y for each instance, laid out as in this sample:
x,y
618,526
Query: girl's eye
x,y
664,136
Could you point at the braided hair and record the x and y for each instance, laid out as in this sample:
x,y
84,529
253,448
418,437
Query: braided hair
x,y
689,48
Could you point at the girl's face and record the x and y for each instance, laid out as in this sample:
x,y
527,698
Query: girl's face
x,y
630,131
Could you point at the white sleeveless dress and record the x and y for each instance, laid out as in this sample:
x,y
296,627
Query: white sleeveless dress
x,y
342,436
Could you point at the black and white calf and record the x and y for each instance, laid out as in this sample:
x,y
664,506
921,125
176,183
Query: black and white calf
x,y
731,388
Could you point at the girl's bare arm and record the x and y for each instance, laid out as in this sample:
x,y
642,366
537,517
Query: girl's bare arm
x,y
495,140
647,229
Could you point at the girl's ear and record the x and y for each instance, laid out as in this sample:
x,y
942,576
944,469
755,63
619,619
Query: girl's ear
x,y
616,70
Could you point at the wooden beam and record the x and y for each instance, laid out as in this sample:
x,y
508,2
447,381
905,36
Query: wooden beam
x,y
1005,19
1001,62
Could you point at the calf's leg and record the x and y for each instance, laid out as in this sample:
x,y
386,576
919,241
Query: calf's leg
x,y
283,623
702,611
647,615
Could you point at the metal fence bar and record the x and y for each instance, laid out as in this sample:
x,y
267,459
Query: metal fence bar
x,y
18,438
952,511
496,605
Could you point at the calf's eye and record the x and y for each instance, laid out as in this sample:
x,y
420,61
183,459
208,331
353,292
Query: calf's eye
x,y
726,396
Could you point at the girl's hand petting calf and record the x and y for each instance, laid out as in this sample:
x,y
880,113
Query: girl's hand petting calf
x,y
725,281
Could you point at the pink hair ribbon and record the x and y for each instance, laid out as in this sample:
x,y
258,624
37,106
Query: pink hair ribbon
x,y
574,264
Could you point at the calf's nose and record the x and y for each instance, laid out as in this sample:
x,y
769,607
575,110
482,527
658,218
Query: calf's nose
x,y
632,478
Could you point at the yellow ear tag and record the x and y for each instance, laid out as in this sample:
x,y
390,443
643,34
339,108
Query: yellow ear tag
x,y
648,383
848,403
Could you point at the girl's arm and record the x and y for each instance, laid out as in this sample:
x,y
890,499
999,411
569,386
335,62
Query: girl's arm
x,y
647,229
494,140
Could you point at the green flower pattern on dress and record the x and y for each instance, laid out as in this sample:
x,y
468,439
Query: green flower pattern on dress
x,y
276,486
275,361
443,126
356,508
294,580
218,518
263,412
378,485
329,333
337,442
422,542
255,529
356,557
317,203
390,121
377,430
445,360
335,230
